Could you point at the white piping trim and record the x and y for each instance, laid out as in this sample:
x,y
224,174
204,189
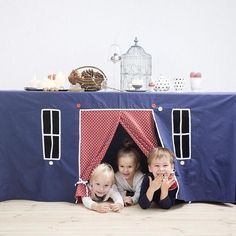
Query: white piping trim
x,y
116,109
79,141
158,132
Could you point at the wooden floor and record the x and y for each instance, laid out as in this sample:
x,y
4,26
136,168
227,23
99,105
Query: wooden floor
x,y
30,218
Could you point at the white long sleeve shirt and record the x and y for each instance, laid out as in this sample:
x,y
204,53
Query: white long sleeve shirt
x,y
112,194
124,186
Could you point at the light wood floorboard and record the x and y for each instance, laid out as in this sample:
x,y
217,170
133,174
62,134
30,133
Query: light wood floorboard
x,y
30,218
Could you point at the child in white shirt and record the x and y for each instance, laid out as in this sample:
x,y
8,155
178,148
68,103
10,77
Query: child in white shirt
x,y
128,177
101,189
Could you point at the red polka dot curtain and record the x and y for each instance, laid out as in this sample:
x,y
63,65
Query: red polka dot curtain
x,y
97,128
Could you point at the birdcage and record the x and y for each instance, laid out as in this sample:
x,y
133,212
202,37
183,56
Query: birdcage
x,y
136,69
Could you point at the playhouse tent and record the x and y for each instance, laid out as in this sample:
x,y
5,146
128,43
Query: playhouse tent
x,y
97,130
43,140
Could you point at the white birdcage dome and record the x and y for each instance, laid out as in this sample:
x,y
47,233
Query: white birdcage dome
x,y
136,68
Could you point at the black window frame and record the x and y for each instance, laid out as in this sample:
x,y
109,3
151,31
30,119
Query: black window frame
x,y
51,134
181,133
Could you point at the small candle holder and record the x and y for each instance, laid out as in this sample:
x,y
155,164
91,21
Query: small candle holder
x,y
137,86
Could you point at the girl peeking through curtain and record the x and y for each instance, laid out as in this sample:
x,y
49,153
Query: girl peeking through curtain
x,y
128,177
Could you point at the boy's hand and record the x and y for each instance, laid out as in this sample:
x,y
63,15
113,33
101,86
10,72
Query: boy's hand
x,y
167,183
156,183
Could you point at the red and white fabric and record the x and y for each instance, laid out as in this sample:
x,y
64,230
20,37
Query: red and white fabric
x,y
97,128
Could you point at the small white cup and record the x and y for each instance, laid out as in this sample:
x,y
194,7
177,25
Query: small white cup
x,y
196,84
179,83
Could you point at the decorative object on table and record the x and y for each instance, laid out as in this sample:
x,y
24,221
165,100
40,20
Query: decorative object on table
x,y
136,68
90,78
115,53
137,84
162,83
196,81
151,86
114,57
179,83
76,87
53,82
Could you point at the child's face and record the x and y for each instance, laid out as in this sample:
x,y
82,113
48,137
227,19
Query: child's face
x,y
101,185
161,166
127,166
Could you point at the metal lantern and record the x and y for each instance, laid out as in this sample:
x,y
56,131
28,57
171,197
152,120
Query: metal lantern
x,y
136,69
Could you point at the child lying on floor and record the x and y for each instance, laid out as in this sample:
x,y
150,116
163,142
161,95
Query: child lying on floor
x,y
160,185
101,189
128,177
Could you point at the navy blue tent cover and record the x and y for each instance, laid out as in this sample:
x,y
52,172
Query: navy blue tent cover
x,y
39,140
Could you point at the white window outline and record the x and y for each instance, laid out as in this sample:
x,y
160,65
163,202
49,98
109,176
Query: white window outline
x,y
51,134
181,134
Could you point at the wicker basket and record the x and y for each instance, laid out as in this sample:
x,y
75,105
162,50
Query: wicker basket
x,y
90,78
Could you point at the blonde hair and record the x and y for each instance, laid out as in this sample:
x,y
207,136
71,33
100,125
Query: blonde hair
x,y
160,152
103,169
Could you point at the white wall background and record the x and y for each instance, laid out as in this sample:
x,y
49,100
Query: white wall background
x,y
39,37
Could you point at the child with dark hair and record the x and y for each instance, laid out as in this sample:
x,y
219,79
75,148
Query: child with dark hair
x,y
129,177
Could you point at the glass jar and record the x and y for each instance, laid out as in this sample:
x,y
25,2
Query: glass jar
x,y
136,68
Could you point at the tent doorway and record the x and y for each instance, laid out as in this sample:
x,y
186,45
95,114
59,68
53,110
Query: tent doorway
x,y
97,130
117,143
